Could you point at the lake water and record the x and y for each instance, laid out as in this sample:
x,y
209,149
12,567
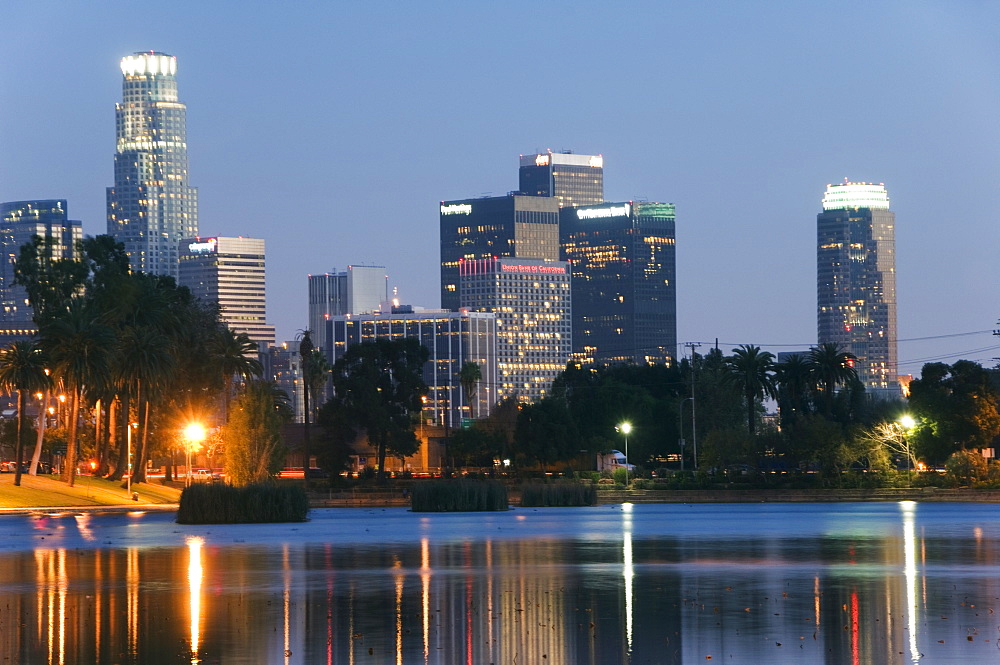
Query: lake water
x,y
839,584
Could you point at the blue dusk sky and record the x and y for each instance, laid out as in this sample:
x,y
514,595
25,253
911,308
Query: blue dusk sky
x,y
333,129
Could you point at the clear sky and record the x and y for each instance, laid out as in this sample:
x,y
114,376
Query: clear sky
x,y
333,129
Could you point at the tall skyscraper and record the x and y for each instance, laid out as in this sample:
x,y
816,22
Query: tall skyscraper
x,y
856,279
531,300
512,225
230,272
20,221
574,180
624,281
357,290
151,207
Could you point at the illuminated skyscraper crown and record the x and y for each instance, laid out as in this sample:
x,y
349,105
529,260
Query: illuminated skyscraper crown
x,y
856,195
150,62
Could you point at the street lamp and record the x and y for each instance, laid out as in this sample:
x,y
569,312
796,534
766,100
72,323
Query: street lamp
x,y
625,428
907,423
195,434
128,462
680,421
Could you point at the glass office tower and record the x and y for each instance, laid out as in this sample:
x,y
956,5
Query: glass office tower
x,y
20,221
357,290
574,180
531,301
623,257
151,206
512,225
856,279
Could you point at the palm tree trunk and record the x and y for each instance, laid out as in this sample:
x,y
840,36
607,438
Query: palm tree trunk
x,y
121,416
142,412
69,466
19,448
37,456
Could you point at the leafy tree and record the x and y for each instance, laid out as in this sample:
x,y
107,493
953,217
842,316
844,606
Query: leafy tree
x,y
22,369
377,385
546,432
957,409
51,282
254,447
475,446
752,371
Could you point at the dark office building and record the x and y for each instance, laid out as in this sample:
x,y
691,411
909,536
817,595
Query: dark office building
x,y
856,280
624,290
512,225
574,180
20,221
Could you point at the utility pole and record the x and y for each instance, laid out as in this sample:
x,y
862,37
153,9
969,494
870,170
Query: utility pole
x,y
694,428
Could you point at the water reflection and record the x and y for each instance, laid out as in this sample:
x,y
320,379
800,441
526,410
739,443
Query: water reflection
x,y
893,584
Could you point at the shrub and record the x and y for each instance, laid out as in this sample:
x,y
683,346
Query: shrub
x,y
447,496
367,473
621,476
225,504
558,494
966,466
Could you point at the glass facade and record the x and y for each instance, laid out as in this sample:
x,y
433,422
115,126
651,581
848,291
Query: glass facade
x,y
230,272
574,180
512,225
20,221
151,207
357,290
531,301
856,280
452,339
623,257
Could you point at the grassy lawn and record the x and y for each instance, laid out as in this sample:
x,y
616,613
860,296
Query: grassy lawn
x,y
46,491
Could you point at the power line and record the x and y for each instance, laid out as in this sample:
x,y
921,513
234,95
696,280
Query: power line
x,y
908,339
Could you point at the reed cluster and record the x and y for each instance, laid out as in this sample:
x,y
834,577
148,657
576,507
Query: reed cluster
x,y
536,494
225,504
445,496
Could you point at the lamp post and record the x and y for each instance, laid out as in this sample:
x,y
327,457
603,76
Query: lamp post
x,y
906,423
680,422
128,459
195,434
625,428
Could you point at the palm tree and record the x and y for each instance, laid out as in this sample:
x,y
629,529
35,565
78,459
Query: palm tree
x,y
469,376
794,378
236,357
22,368
833,366
146,363
752,371
77,346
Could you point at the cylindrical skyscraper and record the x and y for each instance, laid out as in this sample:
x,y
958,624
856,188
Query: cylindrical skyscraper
x,y
856,280
151,207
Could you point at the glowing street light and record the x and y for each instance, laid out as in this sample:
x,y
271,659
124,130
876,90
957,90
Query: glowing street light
x,y
194,434
625,428
906,424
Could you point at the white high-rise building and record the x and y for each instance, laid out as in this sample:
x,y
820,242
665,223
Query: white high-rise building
x,y
230,272
151,207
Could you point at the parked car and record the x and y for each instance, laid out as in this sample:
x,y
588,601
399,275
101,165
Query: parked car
x,y
206,476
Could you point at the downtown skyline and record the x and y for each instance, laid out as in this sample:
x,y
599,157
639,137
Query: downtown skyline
x,y
337,146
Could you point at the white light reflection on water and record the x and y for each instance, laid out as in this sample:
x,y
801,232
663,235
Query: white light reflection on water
x,y
910,571
425,594
195,577
627,570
